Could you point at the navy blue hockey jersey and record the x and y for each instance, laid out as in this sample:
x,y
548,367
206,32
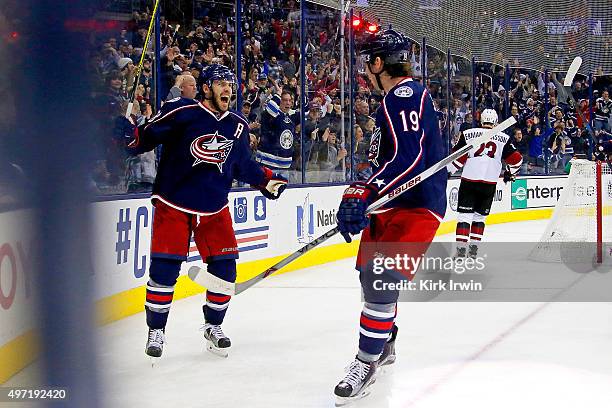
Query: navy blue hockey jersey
x,y
406,140
201,155
277,142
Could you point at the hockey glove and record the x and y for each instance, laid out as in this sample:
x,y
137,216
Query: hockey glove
x,y
351,215
508,176
124,130
274,184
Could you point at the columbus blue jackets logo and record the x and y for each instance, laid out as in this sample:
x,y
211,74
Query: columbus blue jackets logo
x,y
374,150
286,139
213,149
404,92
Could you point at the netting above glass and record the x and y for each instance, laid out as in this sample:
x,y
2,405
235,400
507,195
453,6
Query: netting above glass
x,y
533,34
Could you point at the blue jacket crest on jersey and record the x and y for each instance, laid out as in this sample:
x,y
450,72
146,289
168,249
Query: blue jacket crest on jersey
x,y
201,155
211,149
277,136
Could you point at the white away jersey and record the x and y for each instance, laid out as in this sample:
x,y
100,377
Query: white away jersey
x,y
484,163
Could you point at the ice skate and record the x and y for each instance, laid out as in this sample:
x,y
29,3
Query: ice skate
x,y
473,252
216,341
460,252
355,385
155,344
388,355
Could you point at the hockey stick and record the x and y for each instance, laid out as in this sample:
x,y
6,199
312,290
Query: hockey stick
x,y
216,284
566,90
128,111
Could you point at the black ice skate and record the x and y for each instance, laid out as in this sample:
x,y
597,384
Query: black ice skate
x,y
460,252
355,385
216,341
473,252
155,343
388,355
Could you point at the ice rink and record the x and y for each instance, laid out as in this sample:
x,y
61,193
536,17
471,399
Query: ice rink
x,y
293,334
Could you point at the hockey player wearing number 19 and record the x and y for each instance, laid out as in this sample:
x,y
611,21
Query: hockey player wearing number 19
x,y
205,147
481,169
406,141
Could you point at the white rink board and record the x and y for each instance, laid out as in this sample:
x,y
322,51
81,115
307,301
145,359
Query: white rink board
x,y
16,291
283,226
264,229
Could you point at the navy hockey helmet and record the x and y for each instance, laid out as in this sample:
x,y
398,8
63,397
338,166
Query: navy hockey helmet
x,y
214,72
391,46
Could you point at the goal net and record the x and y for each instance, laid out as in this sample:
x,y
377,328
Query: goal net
x,y
580,229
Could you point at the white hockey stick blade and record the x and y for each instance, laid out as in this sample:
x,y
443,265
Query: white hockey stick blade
x,y
215,284
572,71
210,281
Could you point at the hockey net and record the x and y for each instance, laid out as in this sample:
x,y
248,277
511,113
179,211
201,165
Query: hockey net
x,y
580,229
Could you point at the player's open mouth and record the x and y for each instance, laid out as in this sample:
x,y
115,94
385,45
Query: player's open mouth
x,y
225,99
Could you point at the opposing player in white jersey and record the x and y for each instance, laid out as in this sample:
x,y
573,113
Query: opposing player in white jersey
x,y
481,169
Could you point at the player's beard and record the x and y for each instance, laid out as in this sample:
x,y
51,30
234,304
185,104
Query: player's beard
x,y
219,102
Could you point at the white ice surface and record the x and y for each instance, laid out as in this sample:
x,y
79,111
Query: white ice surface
x,y
293,334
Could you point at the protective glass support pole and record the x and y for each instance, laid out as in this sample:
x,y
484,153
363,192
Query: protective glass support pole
x,y
158,97
303,98
546,101
507,86
591,101
546,109
599,215
449,99
424,61
238,42
352,86
342,88
157,74
473,91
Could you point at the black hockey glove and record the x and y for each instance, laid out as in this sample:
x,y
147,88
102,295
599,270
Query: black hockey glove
x,y
124,130
351,215
273,186
508,176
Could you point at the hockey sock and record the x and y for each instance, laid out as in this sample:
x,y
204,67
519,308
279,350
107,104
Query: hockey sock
x,y
215,307
157,304
217,303
463,232
477,231
376,325
160,290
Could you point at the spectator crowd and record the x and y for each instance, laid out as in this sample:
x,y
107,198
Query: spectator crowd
x,y
270,61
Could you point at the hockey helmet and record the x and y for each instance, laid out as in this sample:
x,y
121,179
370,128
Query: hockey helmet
x,y
217,71
489,116
391,46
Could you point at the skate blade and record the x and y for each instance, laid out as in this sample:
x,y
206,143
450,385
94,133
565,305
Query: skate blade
x,y
387,366
154,361
217,351
387,362
342,401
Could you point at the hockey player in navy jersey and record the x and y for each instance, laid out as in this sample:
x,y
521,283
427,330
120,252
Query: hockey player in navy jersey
x,y
276,145
204,147
481,169
406,140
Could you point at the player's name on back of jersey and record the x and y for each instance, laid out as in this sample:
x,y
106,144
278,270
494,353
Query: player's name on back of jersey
x,y
499,137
